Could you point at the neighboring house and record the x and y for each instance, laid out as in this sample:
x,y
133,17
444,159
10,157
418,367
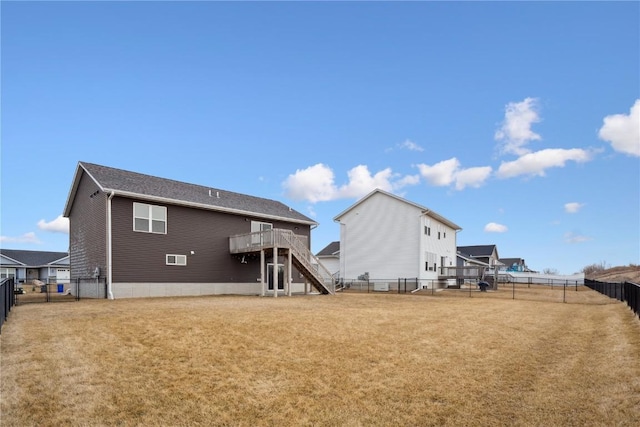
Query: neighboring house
x,y
28,266
150,236
385,237
513,264
487,254
330,257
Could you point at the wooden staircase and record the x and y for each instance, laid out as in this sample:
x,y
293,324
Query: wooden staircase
x,y
302,258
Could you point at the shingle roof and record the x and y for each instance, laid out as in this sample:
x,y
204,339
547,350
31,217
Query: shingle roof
x,y
148,187
425,210
477,250
34,258
331,249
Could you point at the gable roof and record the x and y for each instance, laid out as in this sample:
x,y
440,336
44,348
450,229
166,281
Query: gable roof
x,y
426,211
151,188
471,259
26,258
332,249
477,250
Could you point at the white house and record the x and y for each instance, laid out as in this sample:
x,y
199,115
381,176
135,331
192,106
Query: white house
x,y
330,258
387,237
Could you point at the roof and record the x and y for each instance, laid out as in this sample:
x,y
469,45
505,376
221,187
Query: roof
x,y
332,249
33,258
151,188
426,211
471,260
477,250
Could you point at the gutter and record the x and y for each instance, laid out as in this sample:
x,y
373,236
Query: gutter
x,y
109,245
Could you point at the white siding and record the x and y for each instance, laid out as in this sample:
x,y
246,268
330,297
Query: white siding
x,y
380,236
444,246
332,264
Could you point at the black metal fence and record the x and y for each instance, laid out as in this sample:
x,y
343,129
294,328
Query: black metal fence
x,y
627,292
36,291
399,286
7,299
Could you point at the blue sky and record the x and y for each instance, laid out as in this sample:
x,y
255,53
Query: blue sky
x,y
519,121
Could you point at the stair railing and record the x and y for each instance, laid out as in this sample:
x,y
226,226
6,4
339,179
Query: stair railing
x,y
305,257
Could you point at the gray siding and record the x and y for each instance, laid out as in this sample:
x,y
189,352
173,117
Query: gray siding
x,y
140,257
87,230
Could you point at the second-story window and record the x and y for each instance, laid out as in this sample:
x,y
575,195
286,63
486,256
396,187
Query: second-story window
x,y
149,218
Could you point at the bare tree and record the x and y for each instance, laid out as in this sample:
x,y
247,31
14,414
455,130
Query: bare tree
x,y
595,268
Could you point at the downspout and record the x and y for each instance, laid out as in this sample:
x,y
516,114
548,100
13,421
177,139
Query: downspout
x,y
109,257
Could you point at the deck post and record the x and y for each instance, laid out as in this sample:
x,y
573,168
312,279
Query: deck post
x,y
275,271
262,270
289,272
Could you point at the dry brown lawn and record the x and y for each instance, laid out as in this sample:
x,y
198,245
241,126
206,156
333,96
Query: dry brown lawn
x,y
344,360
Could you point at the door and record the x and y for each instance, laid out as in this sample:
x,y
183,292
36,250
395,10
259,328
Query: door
x,y
262,238
280,277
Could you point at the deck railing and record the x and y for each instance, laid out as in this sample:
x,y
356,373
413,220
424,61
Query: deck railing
x,y
258,240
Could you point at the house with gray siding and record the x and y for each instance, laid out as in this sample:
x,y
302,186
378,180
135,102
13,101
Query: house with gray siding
x,y
150,236
27,266
487,254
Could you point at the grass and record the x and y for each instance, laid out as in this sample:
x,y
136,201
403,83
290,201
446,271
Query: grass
x,y
344,360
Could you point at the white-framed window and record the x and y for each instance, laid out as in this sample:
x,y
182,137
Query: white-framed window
x,y
149,218
176,259
262,238
7,273
430,261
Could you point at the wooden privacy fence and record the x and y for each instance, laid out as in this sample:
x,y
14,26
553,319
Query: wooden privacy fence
x,y
627,292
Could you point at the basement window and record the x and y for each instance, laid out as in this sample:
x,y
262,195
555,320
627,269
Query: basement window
x,y
176,259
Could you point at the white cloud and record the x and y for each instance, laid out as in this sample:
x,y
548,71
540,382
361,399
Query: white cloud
x,y
406,145
58,225
494,227
314,184
362,182
623,131
573,207
449,172
317,183
441,174
472,177
515,131
571,237
411,146
25,238
406,181
536,163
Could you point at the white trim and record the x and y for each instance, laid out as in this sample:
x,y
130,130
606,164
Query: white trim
x,y
178,258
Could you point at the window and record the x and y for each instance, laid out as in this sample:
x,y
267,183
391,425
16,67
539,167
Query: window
x,y
7,273
438,235
430,261
261,238
176,259
149,218
427,230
